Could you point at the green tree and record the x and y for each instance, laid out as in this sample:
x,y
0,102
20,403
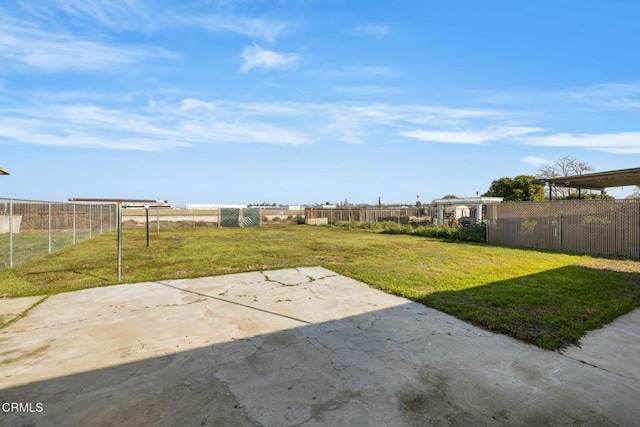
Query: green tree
x,y
519,188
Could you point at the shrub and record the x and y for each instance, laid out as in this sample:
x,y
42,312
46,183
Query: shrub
x,y
473,233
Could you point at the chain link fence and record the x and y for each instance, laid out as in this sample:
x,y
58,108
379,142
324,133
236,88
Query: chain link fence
x,y
401,215
167,219
31,229
598,227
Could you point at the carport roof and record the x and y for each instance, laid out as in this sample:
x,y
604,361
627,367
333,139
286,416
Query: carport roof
x,y
595,181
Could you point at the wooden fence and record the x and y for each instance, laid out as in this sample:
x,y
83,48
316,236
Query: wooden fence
x,y
598,227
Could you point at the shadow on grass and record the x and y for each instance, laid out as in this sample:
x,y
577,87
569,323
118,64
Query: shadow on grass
x,y
551,309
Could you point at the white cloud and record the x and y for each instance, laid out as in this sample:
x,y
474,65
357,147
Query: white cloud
x,y
144,16
619,96
536,161
374,30
55,52
617,143
256,57
187,123
163,124
115,14
256,28
470,137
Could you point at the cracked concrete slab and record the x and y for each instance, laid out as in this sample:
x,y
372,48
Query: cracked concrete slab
x,y
614,348
11,308
293,347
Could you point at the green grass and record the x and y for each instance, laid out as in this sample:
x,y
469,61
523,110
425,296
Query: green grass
x,y
546,298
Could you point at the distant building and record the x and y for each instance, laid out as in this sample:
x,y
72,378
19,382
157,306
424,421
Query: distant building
x,y
212,206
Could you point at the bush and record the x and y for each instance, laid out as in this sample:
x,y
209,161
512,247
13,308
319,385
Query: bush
x,y
473,233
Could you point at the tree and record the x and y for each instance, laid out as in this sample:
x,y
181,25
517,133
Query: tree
x,y
566,166
519,188
635,194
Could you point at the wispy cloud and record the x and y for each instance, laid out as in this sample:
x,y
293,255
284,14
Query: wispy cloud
x,y
374,30
256,28
162,127
141,16
49,51
470,137
621,96
164,124
257,57
617,143
119,14
536,161
357,123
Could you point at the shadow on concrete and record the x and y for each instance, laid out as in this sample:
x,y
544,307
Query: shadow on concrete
x,y
404,365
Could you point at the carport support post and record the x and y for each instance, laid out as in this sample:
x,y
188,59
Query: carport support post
x,y
119,219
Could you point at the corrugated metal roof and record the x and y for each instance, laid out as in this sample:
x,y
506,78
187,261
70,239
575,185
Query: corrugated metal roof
x,y
595,181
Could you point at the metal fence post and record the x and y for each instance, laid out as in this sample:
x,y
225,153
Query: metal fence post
x,y
11,233
101,219
74,223
90,224
560,225
49,227
119,215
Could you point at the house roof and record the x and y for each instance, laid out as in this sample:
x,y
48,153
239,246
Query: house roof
x,y
595,181
469,200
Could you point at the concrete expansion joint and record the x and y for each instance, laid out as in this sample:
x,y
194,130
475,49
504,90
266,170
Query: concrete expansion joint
x,y
600,368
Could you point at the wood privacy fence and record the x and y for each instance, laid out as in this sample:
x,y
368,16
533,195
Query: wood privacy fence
x,y
598,227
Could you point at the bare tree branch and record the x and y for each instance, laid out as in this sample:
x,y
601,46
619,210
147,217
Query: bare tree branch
x,y
566,166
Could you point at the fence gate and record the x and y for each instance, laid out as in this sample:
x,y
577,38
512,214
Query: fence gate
x,y
229,217
234,217
250,217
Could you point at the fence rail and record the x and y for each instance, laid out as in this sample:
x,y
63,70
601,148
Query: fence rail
x,y
598,227
31,229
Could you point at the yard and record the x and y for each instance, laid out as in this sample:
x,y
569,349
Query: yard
x,y
545,298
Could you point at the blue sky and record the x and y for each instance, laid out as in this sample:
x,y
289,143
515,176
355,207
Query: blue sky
x,y
304,101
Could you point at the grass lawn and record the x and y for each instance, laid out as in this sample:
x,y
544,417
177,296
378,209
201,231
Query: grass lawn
x,y
545,298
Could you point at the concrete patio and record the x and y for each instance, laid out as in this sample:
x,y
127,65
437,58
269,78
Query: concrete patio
x,y
296,347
